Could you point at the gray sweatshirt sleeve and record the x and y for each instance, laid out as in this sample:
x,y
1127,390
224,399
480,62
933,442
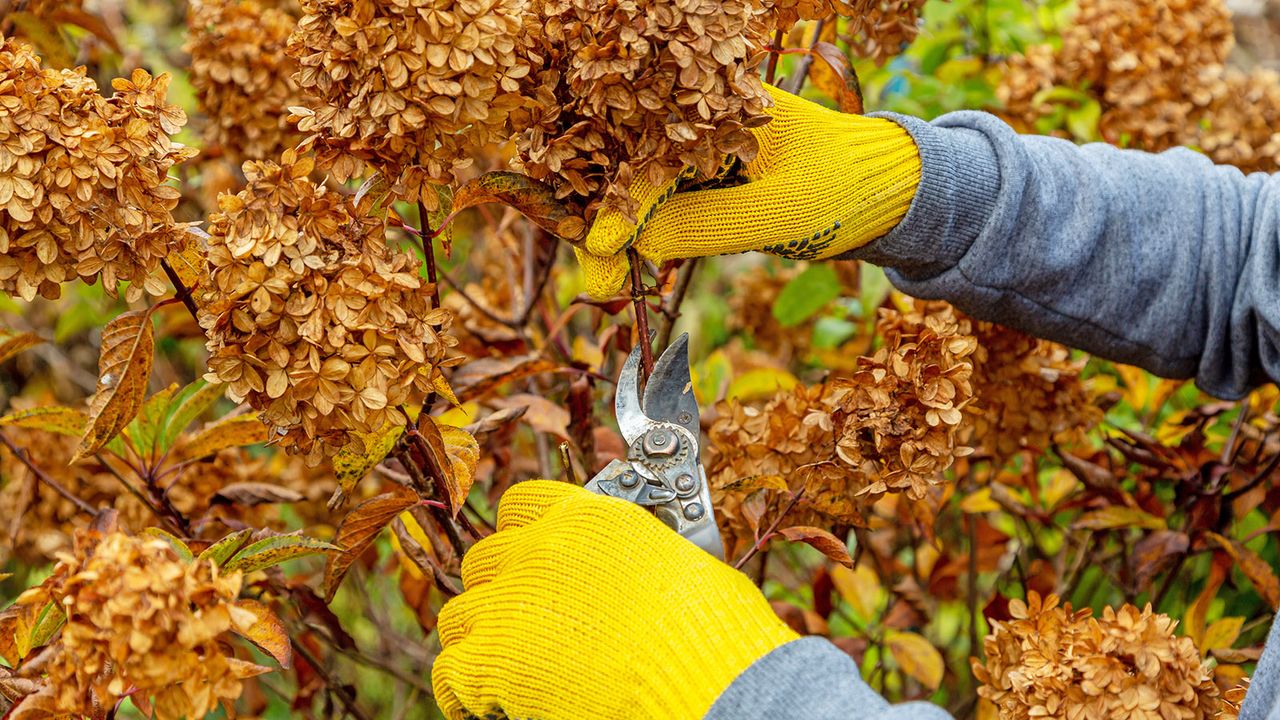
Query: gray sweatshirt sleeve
x,y
810,679
1165,261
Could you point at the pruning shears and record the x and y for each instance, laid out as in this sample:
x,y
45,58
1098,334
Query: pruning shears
x,y
663,469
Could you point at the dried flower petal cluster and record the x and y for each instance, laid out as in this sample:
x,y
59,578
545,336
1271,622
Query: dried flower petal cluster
x,y
311,317
639,87
1051,661
242,76
1030,393
1157,69
884,29
900,414
141,621
409,86
83,188
785,13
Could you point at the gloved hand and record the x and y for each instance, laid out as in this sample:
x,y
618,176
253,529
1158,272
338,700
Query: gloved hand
x,y
823,183
585,606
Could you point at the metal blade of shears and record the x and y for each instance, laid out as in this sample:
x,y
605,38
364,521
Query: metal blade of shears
x,y
669,395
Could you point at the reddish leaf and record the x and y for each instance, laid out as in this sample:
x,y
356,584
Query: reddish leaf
x,y
536,200
1255,568
359,529
825,542
479,378
1155,553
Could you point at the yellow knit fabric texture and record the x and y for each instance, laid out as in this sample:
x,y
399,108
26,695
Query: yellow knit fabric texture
x,y
584,606
823,183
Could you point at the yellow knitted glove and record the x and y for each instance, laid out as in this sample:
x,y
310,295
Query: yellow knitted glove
x,y
823,183
585,606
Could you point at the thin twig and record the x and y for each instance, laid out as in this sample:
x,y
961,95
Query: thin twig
x,y
429,253
642,314
184,292
671,307
43,477
1228,450
141,496
448,280
1255,480
429,488
338,689
771,72
767,534
802,72
971,592
534,290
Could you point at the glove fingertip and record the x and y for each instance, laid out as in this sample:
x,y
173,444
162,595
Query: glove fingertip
x,y
528,501
604,275
442,680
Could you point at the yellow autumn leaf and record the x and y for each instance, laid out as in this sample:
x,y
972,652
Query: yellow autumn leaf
x,y
916,656
464,455
51,418
350,465
12,343
759,384
1222,634
124,367
230,432
860,587
263,628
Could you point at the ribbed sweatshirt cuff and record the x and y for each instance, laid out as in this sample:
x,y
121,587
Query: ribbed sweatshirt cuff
x,y
959,185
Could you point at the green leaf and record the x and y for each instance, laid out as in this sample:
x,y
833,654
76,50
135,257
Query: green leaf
x,y
187,405
145,429
874,287
831,332
50,621
219,552
179,547
806,294
275,550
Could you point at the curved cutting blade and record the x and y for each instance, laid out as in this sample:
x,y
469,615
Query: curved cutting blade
x,y
632,422
669,395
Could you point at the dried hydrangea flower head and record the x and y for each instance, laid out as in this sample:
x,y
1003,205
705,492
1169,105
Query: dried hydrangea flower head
x,y
1051,661
82,178
242,76
884,29
311,317
640,86
1157,69
408,86
141,621
1030,391
901,412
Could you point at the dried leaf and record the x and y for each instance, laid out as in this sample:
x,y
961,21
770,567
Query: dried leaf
x,y
190,262
1154,554
758,482
825,542
479,378
542,415
535,200
495,421
267,632
123,370
275,550
841,83
249,494
1255,568
179,547
359,529
1117,516
50,418
12,343
860,587
916,656
230,432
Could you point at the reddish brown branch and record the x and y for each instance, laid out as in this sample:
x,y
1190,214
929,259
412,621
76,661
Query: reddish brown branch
x,y
768,534
184,292
642,313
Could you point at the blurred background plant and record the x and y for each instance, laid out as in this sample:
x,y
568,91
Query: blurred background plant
x,y
900,478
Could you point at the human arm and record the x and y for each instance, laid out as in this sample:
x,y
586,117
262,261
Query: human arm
x,y
588,606
1164,261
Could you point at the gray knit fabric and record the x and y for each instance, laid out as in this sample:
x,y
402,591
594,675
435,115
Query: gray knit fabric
x,y
1165,261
